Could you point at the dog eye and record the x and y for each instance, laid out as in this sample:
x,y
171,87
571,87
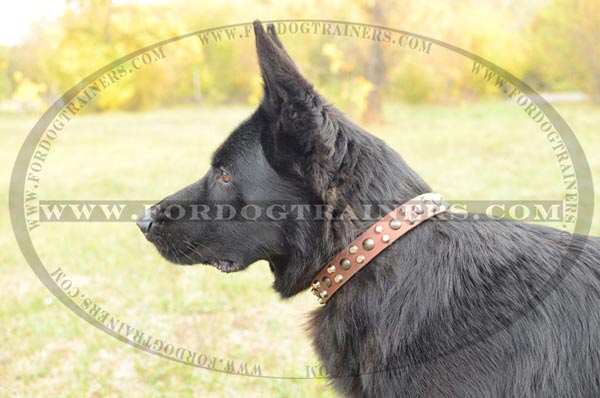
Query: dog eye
x,y
226,178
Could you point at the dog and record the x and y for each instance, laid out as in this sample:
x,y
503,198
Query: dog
x,y
468,307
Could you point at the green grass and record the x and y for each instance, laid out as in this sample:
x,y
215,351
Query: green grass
x,y
482,151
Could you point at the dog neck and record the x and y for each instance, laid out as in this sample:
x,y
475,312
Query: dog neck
x,y
373,241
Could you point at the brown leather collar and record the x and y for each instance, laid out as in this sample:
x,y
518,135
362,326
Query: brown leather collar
x,y
373,241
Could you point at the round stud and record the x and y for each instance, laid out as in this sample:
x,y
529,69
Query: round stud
x,y
368,244
316,284
321,301
353,249
411,220
331,269
360,259
324,293
395,224
403,210
434,208
418,209
327,281
379,229
338,278
345,264
385,238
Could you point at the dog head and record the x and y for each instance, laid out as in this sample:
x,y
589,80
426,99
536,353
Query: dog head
x,y
294,150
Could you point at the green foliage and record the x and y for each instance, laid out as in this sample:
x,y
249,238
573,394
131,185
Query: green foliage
x,y
416,85
528,39
93,33
565,46
6,83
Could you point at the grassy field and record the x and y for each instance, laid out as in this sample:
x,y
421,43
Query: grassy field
x,y
482,151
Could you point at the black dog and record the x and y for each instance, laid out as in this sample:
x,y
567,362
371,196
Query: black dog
x,y
455,308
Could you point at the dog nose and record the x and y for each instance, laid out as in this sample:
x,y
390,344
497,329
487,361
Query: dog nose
x,y
145,221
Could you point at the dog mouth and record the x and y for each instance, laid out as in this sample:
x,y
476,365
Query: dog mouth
x,y
226,266
188,256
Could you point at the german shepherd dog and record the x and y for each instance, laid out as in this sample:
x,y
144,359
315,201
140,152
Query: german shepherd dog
x,y
458,307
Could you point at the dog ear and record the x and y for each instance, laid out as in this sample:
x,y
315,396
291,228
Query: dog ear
x,y
304,127
281,77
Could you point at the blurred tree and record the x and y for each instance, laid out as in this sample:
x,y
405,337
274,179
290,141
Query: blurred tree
x,y
488,29
27,95
566,46
356,73
6,83
93,33
375,66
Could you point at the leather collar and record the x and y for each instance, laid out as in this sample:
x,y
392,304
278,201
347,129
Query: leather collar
x,y
373,241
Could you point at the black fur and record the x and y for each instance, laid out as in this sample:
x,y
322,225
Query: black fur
x,y
456,308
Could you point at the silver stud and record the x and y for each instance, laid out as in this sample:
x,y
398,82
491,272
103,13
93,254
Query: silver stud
x,y
338,278
434,208
353,249
327,281
379,229
315,292
331,269
368,244
403,210
345,263
411,220
360,259
385,238
395,223
321,301
324,293
316,284
418,209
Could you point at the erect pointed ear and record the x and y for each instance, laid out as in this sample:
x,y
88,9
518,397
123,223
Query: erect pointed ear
x,y
282,78
304,126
